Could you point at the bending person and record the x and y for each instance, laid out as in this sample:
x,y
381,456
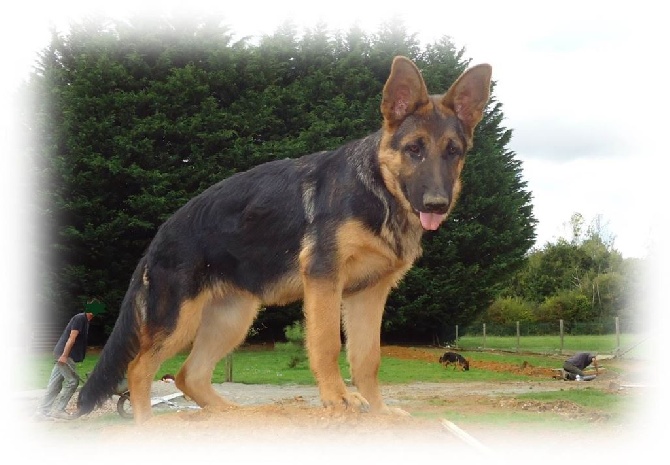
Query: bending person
x,y
578,362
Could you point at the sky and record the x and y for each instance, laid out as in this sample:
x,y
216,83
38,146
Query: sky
x,y
582,84
579,83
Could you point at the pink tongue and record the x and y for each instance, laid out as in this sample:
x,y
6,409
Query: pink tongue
x,y
431,221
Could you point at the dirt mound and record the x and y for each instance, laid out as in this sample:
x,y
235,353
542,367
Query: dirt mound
x,y
285,421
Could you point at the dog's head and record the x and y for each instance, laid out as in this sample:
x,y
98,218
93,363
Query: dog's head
x,y
425,137
445,357
466,365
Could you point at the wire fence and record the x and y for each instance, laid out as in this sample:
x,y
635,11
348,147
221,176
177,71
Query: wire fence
x,y
616,338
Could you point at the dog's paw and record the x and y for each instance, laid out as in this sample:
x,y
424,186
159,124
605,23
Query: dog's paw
x,y
386,410
347,401
222,407
400,412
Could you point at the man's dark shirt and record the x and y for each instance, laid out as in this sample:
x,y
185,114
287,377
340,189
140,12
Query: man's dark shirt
x,y
581,360
78,352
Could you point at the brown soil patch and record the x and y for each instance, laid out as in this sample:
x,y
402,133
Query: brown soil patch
x,y
415,353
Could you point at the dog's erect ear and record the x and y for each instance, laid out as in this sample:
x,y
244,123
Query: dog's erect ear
x,y
403,92
467,96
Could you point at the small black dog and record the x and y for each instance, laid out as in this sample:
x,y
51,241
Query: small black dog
x,y
457,359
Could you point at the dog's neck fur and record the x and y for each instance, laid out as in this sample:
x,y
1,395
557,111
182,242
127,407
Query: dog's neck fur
x,y
401,229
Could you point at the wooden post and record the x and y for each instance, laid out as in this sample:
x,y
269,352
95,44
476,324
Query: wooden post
x,y
466,438
456,340
617,351
229,368
560,351
518,335
484,329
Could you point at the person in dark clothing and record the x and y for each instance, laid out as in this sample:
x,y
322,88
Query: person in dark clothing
x,y
64,380
575,365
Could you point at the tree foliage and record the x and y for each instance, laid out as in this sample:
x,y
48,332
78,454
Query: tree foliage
x,y
132,118
508,310
577,279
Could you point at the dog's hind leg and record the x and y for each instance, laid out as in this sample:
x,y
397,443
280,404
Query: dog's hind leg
x,y
223,326
362,324
141,371
155,348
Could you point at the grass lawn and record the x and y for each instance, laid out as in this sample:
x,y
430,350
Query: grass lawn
x,y
287,365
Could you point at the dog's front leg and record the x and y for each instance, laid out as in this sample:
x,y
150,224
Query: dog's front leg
x,y
362,323
322,302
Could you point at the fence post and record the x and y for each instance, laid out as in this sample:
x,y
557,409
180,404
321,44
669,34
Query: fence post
x,y
229,368
617,351
560,322
456,340
518,335
484,329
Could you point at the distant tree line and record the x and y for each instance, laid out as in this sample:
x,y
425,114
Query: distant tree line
x,y
128,120
578,279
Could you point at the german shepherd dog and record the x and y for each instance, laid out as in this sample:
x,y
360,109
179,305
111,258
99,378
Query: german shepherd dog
x,y
449,358
336,229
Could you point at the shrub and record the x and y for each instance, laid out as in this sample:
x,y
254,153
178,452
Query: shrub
x,y
295,333
295,345
509,310
569,306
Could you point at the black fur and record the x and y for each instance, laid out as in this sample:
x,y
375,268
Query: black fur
x,y
449,358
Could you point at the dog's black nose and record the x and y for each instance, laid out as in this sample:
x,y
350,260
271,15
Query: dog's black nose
x,y
435,203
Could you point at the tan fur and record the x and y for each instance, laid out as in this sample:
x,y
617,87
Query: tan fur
x,y
364,254
212,334
362,323
363,257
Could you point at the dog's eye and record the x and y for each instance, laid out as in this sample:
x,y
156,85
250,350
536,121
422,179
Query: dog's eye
x,y
453,150
414,151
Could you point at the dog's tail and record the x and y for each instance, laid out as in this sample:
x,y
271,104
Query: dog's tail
x,y
120,349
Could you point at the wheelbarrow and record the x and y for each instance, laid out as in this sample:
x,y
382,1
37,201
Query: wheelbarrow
x,y
125,409
123,406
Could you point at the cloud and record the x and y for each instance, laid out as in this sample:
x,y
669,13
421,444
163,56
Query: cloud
x,y
563,140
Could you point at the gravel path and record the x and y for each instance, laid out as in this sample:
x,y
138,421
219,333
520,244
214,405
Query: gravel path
x,y
265,394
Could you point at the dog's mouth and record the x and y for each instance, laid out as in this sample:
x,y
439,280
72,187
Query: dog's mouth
x,y
431,221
